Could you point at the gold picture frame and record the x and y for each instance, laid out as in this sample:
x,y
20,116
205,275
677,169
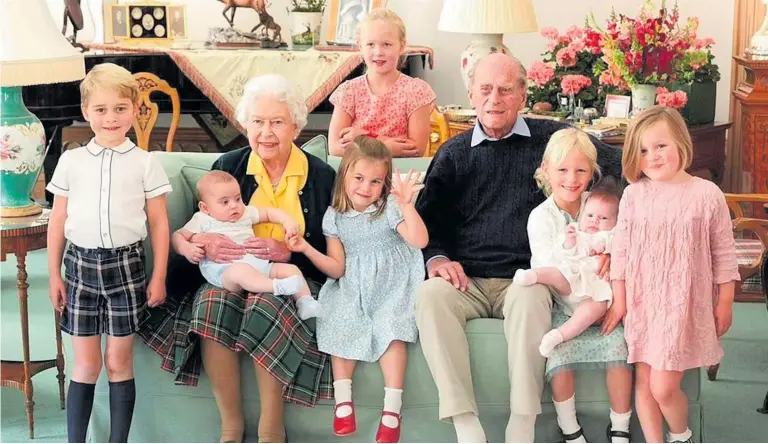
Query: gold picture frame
x,y
345,15
147,21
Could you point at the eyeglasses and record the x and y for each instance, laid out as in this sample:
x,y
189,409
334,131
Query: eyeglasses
x,y
275,125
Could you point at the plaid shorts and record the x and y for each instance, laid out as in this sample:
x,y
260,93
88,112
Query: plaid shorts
x,y
106,290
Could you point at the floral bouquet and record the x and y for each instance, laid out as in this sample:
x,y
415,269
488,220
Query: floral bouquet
x,y
646,49
567,69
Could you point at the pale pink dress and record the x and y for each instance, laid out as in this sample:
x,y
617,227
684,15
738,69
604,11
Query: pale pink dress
x,y
386,115
672,245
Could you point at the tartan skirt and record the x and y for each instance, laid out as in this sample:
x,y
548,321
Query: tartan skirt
x,y
265,326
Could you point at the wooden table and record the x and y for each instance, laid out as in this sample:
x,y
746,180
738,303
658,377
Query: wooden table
x,y
708,143
20,236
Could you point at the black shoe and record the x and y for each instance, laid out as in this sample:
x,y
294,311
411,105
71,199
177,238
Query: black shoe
x,y
575,435
616,433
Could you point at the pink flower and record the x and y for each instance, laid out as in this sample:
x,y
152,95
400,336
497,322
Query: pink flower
x,y
677,99
576,45
552,44
566,57
574,32
540,73
550,33
573,84
703,43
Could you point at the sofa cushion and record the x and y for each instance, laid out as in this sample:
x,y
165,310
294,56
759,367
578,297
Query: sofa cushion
x,y
318,147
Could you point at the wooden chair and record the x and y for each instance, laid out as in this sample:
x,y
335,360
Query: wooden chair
x,y
751,250
148,111
439,132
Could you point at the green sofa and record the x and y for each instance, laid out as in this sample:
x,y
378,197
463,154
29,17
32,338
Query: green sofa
x,y
169,413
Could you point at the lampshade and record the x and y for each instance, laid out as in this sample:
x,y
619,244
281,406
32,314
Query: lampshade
x,y
488,16
32,49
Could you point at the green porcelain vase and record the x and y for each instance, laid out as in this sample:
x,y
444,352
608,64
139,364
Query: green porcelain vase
x,y
22,145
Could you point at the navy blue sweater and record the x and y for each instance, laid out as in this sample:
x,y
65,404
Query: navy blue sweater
x,y
477,200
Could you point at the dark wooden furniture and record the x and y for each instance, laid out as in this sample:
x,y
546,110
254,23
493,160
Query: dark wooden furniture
x,y
708,144
20,236
752,97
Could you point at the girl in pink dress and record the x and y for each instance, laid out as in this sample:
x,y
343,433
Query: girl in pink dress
x,y
673,269
384,103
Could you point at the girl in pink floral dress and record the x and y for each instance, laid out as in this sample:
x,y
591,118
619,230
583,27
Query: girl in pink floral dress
x,y
384,103
673,269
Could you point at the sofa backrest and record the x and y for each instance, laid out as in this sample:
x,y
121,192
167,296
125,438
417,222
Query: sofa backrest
x,y
184,170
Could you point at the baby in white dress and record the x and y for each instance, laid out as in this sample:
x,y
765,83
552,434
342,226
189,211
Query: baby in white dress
x,y
584,296
222,211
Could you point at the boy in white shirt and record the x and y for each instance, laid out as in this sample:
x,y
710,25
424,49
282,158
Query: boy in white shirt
x,y
222,211
104,194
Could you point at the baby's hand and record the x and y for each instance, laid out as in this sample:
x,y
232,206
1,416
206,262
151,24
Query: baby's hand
x,y
296,244
570,236
291,228
194,252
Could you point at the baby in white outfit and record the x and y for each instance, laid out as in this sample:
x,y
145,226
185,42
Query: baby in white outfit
x,y
584,296
222,211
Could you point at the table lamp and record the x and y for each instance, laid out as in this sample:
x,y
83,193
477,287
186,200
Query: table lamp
x,y
32,52
487,21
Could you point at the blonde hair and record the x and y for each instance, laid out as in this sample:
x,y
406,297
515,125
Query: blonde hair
x,y
110,77
368,148
212,178
630,158
386,15
558,147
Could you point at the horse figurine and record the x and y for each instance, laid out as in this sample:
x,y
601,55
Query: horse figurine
x,y
256,5
268,23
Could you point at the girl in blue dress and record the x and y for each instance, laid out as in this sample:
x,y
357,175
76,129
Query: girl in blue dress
x,y
374,264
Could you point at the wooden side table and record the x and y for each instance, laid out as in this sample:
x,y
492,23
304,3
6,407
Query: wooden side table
x,y
20,236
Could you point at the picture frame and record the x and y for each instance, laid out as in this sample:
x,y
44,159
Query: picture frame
x,y
118,22
345,15
177,22
617,106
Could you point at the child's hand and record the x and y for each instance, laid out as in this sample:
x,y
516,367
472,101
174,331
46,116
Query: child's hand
x,y
194,252
723,318
613,316
348,134
570,236
296,244
58,292
405,191
155,292
291,228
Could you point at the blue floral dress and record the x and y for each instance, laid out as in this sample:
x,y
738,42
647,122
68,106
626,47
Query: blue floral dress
x,y
372,304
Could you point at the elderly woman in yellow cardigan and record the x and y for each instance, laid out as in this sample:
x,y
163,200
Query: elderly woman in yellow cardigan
x,y
272,172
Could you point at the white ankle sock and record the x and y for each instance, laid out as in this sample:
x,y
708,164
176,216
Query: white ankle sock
x,y
620,423
552,339
520,428
287,286
566,417
393,400
525,277
342,392
307,307
468,428
680,437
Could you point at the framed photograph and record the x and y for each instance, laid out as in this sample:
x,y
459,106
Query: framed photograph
x,y
617,106
177,21
119,21
345,15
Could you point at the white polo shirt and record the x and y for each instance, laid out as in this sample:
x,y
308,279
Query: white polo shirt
x,y
106,191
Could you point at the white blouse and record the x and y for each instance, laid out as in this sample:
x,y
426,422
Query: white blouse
x,y
546,228
106,191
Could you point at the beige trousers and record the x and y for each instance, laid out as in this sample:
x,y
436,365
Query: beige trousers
x,y
442,312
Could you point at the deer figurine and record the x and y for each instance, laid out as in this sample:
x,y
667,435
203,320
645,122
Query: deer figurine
x,y
257,5
268,23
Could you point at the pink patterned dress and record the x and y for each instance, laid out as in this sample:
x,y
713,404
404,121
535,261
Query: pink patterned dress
x,y
386,115
672,245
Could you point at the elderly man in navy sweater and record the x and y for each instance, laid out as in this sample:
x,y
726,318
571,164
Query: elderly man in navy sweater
x,y
480,189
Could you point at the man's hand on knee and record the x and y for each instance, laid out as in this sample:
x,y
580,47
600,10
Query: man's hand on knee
x,y
449,270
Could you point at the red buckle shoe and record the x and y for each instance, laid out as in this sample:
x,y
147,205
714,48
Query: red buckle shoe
x,y
388,434
347,425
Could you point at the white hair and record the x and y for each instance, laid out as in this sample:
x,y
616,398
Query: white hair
x,y
275,86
